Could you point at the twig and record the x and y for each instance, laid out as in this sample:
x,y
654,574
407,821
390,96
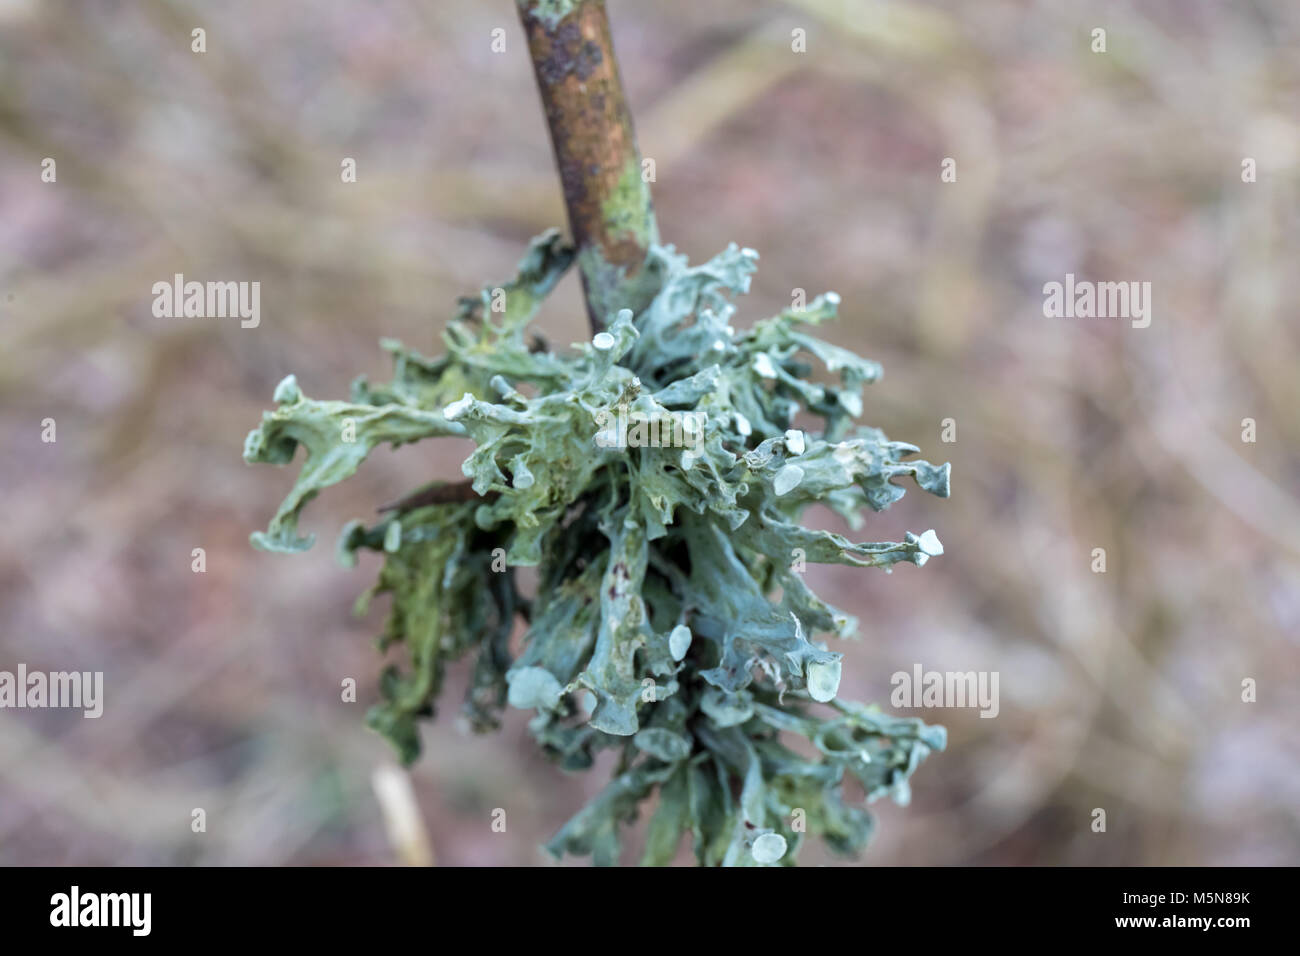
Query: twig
x,y
439,494
608,200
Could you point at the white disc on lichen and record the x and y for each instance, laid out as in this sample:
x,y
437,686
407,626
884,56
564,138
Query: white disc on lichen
x,y
794,441
929,543
603,341
769,848
762,364
533,687
393,537
823,680
679,641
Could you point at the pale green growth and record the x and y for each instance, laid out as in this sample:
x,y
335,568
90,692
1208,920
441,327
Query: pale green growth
x,y
551,12
624,208
667,622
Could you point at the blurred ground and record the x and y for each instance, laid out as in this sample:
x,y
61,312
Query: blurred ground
x,y
1119,690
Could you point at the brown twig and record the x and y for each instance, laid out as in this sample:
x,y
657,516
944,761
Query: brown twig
x,y
608,199
439,494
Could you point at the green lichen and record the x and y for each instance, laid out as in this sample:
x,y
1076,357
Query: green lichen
x,y
624,208
613,286
671,621
549,12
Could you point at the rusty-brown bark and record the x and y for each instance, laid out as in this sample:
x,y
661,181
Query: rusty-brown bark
x,y
608,200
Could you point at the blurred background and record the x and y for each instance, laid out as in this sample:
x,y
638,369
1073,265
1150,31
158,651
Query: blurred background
x,y
1119,690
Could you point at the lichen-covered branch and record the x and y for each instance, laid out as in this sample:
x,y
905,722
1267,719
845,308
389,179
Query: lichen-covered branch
x,y
608,201
656,478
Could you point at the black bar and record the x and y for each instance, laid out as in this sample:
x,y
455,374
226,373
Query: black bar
x,y
569,904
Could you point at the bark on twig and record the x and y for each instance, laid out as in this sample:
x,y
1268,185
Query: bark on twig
x,y
439,494
608,201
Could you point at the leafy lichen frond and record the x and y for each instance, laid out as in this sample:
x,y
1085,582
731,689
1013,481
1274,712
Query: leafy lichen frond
x,y
655,477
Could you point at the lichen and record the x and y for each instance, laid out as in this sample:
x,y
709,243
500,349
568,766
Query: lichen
x,y
550,12
671,620
624,209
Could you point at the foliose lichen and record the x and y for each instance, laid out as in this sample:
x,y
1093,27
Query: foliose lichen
x,y
654,478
